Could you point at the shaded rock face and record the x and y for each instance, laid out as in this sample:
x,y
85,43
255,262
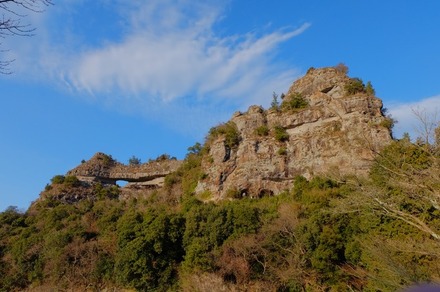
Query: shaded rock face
x,y
102,168
335,133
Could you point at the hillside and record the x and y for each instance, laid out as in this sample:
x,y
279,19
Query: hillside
x,y
312,194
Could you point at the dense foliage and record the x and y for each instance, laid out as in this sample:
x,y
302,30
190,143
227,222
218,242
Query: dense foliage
x,y
376,234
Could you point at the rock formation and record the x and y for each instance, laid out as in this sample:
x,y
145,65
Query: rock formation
x,y
327,123
102,168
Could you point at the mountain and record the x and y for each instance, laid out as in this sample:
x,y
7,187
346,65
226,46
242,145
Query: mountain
x,y
312,194
326,123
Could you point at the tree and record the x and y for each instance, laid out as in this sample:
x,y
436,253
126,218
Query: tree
x,y
11,22
134,161
369,89
406,183
428,125
196,149
275,105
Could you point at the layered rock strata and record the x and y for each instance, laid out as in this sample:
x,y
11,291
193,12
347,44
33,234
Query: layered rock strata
x,y
325,129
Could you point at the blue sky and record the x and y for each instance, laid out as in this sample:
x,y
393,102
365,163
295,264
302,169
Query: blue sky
x,y
151,77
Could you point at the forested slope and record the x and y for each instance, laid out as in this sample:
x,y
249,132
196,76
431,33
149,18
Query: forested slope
x,y
379,233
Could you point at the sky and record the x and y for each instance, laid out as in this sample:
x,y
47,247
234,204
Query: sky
x,y
150,77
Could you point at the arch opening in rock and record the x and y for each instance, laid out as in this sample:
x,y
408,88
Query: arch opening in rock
x,y
121,183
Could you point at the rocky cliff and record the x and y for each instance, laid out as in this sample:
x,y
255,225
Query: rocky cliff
x,y
104,169
326,123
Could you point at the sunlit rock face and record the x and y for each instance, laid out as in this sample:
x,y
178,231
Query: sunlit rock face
x,y
102,168
330,130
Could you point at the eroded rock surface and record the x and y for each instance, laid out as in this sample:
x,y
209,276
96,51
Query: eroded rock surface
x,y
102,168
337,132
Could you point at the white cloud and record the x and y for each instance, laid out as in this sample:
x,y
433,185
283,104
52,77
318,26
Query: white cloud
x,y
176,62
407,120
170,56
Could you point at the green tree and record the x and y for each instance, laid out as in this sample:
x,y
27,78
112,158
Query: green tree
x,y
295,102
369,89
134,160
275,105
150,248
196,149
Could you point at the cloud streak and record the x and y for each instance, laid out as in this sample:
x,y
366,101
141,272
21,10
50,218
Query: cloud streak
x,y
178,61
167,57
407,120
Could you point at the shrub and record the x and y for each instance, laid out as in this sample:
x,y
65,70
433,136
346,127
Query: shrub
x,y
282,151
294,102
342,68
58,179
355,85
233,193
134,160
229,131
262,130
164,157
388,122
280,134
369,89
71,181
196,149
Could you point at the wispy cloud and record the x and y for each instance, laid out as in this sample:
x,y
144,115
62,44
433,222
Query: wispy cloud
x,y
170,56
407,120
171,61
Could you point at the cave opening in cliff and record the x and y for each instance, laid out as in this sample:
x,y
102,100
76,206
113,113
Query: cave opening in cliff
x,y
121,183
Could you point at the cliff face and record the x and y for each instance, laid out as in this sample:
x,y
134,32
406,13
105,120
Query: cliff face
x,y
327,123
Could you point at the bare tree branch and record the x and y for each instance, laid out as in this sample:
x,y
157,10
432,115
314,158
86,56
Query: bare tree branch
x,y
11,22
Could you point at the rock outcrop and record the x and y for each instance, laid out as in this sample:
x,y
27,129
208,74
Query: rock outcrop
x,y
324,125
327,123
102,168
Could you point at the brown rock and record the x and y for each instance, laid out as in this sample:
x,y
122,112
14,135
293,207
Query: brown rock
x,y
335,133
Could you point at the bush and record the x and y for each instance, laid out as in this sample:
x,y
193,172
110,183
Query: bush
x,y
108,159
229,131
369,89
342,68
294,102
134,161
262,130
280,134
233,193
71,181
355,85
58,179
282,151
164,157
388,122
